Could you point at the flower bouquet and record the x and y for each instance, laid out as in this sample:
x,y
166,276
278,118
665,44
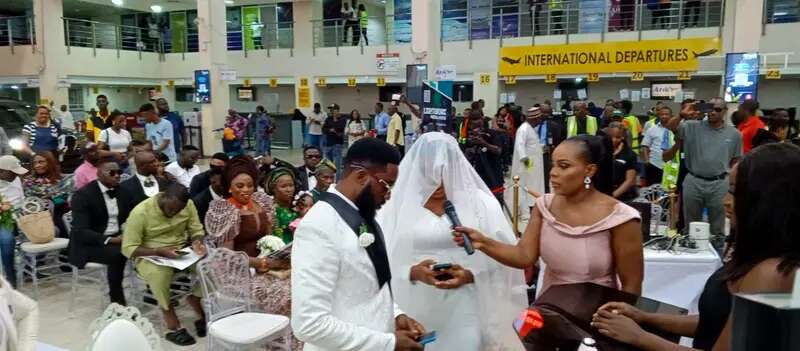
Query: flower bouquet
x,y
6,215
269,244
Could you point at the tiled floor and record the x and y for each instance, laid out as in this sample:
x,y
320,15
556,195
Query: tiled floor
x,y
70,330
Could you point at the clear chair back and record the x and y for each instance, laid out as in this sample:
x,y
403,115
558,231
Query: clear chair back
x,y
225,278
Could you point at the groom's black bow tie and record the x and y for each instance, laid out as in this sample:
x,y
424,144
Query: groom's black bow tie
x,y
112,193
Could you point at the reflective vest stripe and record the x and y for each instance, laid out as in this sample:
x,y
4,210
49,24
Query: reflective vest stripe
x,y
671,168
572,126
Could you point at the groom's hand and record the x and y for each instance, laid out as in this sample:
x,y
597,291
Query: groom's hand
x,y
406,323
404,340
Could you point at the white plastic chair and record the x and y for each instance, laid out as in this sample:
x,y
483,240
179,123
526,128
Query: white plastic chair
x,y
35,258
123,329
93,273
225,277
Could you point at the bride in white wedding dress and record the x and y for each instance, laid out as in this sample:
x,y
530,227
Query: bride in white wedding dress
x,y
474,307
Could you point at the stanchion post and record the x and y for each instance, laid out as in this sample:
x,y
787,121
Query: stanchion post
x,y
673,195
515,204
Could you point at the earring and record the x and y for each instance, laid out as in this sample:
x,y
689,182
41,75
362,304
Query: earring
x,y
587,182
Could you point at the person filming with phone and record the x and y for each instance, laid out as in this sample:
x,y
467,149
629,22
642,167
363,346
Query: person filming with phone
x,y
468,300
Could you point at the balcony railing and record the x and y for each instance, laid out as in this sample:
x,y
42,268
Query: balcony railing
x,y
16,31
383,30
572,17
781,11
102,35
262,36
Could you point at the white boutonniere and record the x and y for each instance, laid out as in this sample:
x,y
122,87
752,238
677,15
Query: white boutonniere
x,y
365,238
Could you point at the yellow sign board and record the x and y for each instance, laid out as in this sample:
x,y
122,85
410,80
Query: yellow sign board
x,y
303,82
773,73
170,83
684,75
511,80
95,90
304,97
44,102
381,82
609,57
593,77
247,83
351,82
550,78
273,83
158,88
485,79
321,82
637,76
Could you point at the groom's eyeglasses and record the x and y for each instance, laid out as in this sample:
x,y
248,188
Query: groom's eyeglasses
x,y
388,187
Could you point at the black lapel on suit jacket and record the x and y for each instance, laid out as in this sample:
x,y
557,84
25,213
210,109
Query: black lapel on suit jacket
x,y
376,251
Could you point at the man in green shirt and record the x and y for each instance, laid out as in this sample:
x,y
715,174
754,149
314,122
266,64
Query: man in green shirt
x,y
159,226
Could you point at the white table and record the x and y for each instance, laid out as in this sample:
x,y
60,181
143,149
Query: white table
x,y
676,278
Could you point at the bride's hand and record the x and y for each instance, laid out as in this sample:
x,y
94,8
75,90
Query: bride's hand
x,y
460,278
422,272
478,239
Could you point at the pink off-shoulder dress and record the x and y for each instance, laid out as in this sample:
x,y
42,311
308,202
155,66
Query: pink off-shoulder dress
x,y
579,254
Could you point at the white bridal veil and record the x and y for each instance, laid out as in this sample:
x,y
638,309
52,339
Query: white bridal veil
x,y
433,160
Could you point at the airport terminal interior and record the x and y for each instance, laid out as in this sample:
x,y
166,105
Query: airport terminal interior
x,y
102,94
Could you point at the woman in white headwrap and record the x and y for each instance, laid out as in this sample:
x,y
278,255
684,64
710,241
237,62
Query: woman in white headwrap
x,y
19,320
474,308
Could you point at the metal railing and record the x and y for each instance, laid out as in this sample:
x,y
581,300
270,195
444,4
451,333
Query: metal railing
x,y
102,35
380,30
265,36
781,11
16,31
574,17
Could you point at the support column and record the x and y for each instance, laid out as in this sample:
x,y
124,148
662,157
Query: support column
x,y
213,57
304,12
50,50
426,21
486,89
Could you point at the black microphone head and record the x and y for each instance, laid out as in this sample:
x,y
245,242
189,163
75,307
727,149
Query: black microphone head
x,y
448,206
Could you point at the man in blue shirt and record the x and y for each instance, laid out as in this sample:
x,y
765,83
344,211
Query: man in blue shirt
x,y
381,121
177,123
158,131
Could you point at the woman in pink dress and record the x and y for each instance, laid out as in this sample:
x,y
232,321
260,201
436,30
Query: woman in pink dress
x,y
581,233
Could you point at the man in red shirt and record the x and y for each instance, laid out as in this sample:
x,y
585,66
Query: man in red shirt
x,y
751,124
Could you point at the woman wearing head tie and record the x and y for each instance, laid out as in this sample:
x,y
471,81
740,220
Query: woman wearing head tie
x,y
471,304
581,233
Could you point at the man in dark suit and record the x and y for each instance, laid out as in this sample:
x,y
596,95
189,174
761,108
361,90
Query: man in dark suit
x,y
202,181
555,134
144,184
96,234
213,192
306,174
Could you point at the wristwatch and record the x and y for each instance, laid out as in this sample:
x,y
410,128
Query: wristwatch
x,y
105,243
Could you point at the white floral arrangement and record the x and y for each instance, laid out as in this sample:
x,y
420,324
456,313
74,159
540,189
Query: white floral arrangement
x,y
269,244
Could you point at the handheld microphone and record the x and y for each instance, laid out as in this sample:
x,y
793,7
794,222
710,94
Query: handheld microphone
x,y
450,211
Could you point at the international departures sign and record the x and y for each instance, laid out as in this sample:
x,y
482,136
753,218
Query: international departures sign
x,y
608,57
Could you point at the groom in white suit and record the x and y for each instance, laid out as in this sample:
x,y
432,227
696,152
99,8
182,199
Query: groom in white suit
x,y
341,281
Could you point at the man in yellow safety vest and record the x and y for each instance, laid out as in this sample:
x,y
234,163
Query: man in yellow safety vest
x,y
581,122
631,123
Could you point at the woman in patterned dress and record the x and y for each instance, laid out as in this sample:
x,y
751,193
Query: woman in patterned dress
x,y
237,222
47,182
280,185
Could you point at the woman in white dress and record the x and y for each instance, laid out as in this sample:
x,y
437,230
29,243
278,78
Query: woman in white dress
x,y
114,140
473,310
355,128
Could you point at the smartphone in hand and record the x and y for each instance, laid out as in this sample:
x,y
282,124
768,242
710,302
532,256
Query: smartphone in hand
x,y
427,338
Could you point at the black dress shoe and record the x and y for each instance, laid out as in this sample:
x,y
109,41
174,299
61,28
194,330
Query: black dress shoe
x,y
200,326
180,337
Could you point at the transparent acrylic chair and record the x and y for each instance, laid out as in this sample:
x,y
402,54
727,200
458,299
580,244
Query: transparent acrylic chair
x,y
225,278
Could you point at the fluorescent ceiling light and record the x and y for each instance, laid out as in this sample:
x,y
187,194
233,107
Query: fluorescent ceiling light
x,y
15,87
117,2
578,80
229,2
156,8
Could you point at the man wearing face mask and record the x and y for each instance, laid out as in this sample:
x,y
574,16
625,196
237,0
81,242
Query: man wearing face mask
x,y
202,181
213,192
96,232
335,311
159,226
